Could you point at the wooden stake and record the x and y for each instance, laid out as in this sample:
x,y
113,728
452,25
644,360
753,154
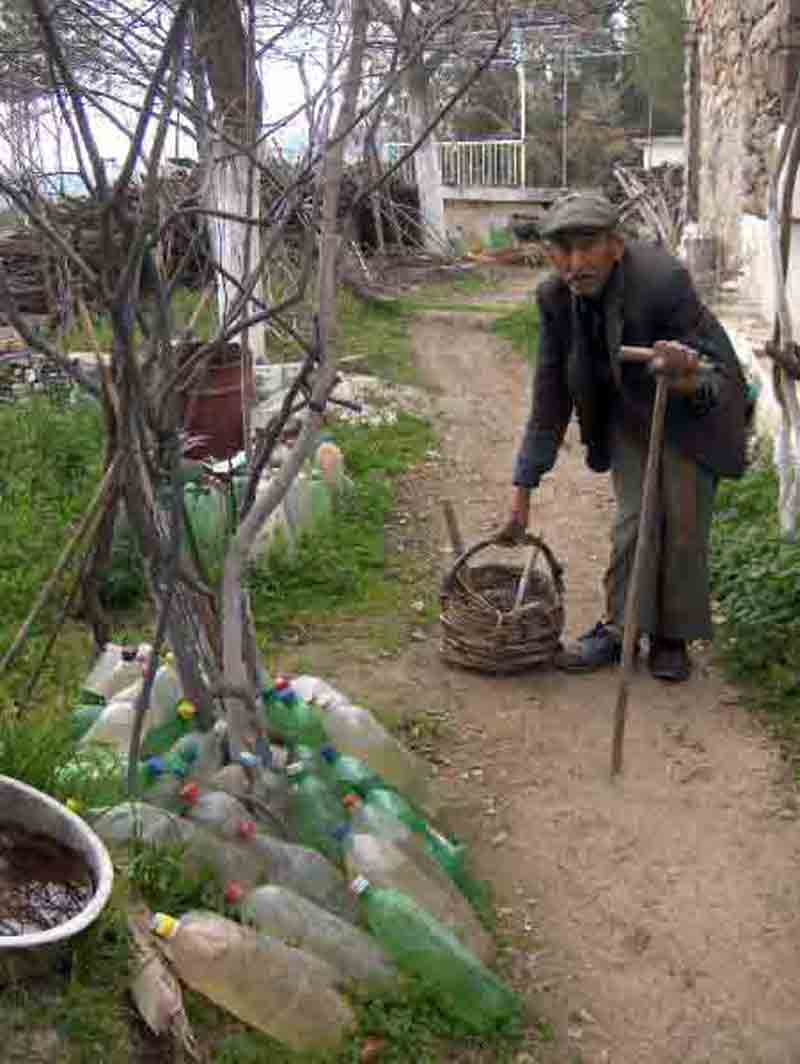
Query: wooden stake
x,y
644,543
452,527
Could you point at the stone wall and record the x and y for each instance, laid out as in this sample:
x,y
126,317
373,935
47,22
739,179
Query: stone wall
x,y
742,63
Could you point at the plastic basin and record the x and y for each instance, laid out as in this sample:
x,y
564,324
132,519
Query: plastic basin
x,y
39,813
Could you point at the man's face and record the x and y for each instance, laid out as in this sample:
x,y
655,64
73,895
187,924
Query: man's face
x,y
585,260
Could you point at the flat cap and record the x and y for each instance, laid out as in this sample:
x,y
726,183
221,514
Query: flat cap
x,y
579,211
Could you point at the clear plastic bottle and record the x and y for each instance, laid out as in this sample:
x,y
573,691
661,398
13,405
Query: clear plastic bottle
x,y
166,693
115,724
116,668
449,855
315,813
353,730
304,871
421,946
285,992
318,692
128,821
266,792
215,810
285,915
386,865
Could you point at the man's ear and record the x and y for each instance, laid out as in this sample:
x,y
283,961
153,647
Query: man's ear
x,y
617,244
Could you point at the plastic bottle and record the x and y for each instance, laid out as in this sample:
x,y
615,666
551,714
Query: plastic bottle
x,y
166,692
215,810
116,668
266,791
115,724
304,871
127,821
285,915
292,718
386,865
83,717
449,855
371,820
347,775
203,752
163,736
421,946
282,991
315,813
353,730
318,692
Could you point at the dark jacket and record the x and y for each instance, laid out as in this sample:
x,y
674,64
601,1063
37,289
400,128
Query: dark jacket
x,y
649,297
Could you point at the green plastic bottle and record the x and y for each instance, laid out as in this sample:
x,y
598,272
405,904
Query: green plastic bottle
x,y
464,988
294,720
315,812
449,855
347,775
83,717
163,738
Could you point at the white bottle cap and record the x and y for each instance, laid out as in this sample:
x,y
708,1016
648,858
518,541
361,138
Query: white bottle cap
x,y
359,885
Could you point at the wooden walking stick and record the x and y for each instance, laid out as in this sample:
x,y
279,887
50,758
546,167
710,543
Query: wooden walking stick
x,y
644,542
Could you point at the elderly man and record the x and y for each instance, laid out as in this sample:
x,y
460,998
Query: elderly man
x,y
608,292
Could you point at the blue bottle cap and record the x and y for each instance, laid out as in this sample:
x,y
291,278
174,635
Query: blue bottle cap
x,y
247,759
154,766
328,753
341,832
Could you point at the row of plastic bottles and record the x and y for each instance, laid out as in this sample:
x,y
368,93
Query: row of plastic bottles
x,y
351,730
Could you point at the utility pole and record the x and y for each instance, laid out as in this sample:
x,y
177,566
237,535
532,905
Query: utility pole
x,y
564,114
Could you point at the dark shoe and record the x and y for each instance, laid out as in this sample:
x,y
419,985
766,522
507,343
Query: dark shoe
x,y
594,649
669,659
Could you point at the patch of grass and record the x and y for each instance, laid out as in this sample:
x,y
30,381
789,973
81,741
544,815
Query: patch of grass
x,y
52,456
408,1025
756,584
341,567
375,336
521,327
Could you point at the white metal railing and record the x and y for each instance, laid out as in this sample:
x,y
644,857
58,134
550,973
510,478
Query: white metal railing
x,y
471,163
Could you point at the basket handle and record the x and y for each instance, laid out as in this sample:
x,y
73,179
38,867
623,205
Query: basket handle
x,y
530,540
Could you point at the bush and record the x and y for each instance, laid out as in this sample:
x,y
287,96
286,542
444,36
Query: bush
x,y
755,576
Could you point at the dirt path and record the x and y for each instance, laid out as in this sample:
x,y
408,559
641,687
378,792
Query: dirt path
x,y
656,919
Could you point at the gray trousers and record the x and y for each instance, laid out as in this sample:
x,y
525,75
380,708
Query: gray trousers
x,y
675,598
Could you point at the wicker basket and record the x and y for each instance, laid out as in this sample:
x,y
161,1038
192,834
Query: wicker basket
x,y
502,618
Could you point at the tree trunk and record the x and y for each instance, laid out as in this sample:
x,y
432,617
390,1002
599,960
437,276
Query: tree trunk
x,y
233,185
426,161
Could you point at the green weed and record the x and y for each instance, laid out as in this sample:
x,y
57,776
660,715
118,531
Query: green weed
x,y
374,338
755,576
521,327
341,566
52,457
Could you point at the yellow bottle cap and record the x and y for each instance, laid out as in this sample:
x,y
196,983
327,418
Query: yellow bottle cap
x,y
186,709
164,926
73,805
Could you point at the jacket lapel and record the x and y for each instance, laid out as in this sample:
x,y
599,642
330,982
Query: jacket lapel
x,y
613,309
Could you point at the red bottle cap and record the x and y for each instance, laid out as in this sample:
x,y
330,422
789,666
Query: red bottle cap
x,y
281,683
234,892
351,801
190,793
246,829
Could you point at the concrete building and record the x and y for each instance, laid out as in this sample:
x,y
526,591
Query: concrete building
x,y
742,62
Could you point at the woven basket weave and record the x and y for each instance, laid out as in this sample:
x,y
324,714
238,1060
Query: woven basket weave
x,y
502,618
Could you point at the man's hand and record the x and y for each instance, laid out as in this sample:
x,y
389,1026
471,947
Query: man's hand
x,y
678,362
513,531
674,359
